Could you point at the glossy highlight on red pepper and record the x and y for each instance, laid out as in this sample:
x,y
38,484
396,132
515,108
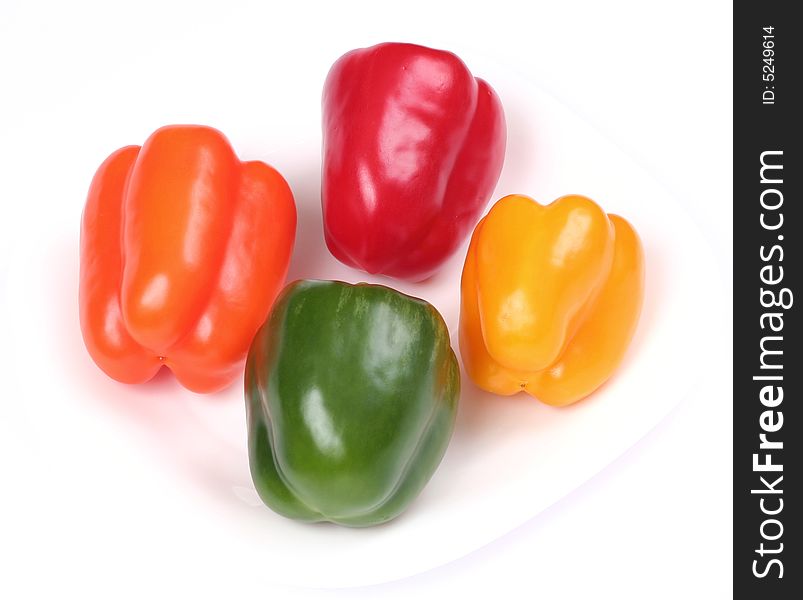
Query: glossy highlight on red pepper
x,y
413,146
183,250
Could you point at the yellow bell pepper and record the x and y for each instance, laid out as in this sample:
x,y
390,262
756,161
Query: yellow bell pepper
x,y
550,298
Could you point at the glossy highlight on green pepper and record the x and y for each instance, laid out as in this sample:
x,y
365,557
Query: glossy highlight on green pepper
x,y
351,394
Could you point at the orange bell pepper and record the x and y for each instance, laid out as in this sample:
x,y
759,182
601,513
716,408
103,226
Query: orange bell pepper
x,y
550,298
183,250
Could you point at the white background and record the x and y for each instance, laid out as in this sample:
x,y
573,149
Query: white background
x,y
656,81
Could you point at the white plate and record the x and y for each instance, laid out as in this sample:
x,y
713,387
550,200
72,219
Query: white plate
x,y
154,476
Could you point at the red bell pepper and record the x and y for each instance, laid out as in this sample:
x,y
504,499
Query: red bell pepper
x,y
413,146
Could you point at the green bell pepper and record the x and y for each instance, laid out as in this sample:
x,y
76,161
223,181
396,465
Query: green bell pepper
x,y
351,394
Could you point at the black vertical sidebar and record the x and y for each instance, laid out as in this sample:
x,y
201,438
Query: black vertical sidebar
x,y
768,228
